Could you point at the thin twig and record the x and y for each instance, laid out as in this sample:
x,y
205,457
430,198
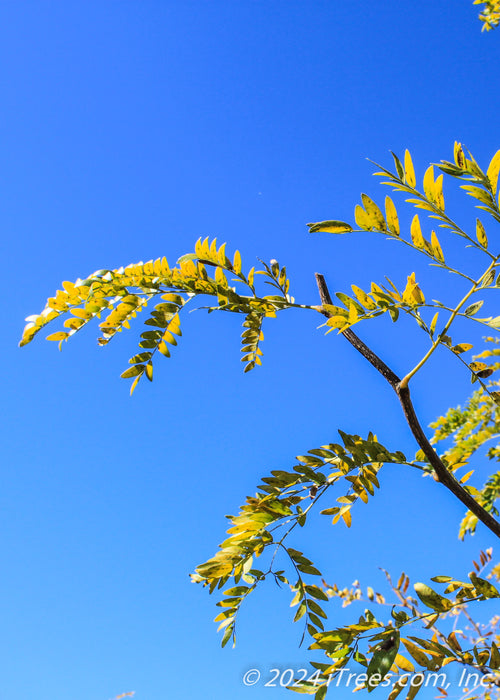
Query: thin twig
x,y
443,475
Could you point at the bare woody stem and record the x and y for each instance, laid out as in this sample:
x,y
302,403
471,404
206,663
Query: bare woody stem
x,y
443,475
437,342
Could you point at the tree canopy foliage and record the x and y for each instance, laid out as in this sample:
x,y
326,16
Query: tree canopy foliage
x,y
490,13
417,633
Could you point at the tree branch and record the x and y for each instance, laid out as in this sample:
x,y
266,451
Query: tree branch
x,y
444,476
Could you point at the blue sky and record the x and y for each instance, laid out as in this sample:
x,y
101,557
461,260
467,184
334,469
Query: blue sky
x,y
130,129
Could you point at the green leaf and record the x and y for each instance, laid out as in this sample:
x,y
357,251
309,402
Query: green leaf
x,y
495,656
317,593
382,660
484,587
321,693
134,371
442,579
300,611
431,599
151,335
141,357
316,608
227,635
399,167
307,569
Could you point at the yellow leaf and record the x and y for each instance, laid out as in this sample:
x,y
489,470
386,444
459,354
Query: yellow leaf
x,y
416,233
165,269
361,217
462,347
459,156
438,192
432,327
68,286
221,255
409,170
220,277
346,515
429,183
329,227
404,664
363,495
467,476
213,249
353,314
413,294
157,267
416,653
188,268
149,371
418,295
337,322
481,234
205,248
58,336
375,216
392,216
363,298
237,262
436,248
337,517
174,325
453,642
81,313
374,288
493,170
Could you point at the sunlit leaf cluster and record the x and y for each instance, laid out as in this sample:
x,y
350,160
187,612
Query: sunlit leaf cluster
x,y
490,13
385,644
284,501
117,296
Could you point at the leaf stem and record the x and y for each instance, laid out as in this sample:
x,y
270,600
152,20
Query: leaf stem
x,y
453,315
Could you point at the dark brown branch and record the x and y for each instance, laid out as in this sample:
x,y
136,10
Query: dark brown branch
x,y
380,366
443,475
